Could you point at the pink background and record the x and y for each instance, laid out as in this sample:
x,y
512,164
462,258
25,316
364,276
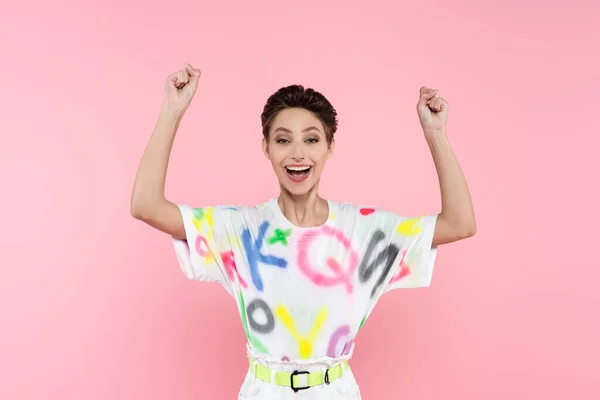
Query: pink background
x,y
93,303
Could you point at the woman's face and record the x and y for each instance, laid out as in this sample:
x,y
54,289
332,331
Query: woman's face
x,y
298,149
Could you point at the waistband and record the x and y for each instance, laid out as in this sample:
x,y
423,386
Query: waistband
x,y
297,374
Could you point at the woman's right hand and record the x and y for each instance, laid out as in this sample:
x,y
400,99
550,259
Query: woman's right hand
x,y
180,89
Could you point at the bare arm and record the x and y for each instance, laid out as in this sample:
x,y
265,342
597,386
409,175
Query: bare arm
x,y
148,202
456,221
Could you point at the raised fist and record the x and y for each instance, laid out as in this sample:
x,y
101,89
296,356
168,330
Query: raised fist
x,y
432,110
180,88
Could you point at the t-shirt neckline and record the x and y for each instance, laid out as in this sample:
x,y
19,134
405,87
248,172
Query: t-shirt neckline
x,y
279,214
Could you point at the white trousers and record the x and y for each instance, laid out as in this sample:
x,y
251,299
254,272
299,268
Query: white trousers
x,y
343,388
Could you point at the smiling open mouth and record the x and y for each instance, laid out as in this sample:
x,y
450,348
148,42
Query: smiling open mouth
x,y
298,174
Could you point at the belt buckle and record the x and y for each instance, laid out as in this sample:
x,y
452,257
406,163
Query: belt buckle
x,y
296,389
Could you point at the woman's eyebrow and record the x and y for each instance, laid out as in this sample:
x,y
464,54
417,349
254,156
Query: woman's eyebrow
x,y
310,128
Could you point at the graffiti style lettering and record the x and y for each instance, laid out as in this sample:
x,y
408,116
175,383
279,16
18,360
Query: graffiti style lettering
x,y
231,268
204,215
409,227
304,342
202,246
362,322
280,236
386,258
266,327
251,339
341,333
254,254
341,275
203,250
403,270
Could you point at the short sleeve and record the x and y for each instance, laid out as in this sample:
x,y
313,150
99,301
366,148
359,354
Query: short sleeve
x,y
414,266
205,254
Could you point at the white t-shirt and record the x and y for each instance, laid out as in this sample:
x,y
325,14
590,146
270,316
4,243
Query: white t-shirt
x,y
305,292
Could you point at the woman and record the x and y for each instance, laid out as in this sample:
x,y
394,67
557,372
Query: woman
x,y
305,272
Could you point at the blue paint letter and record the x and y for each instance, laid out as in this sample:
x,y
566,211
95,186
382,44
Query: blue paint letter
x,y
255,256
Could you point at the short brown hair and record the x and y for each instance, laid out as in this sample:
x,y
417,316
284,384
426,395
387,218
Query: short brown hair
x,y
296,96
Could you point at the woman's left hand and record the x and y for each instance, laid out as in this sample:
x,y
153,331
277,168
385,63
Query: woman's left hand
x,y
433,112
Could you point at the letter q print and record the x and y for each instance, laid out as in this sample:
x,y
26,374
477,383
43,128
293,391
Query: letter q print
x,y
339,274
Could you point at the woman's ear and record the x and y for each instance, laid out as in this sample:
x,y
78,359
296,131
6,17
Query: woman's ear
x,y
331,148
265,147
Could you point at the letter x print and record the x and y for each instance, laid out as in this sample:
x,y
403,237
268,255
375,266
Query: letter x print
x,y
280,236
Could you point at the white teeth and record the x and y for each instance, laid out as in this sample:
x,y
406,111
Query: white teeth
x,y
298,168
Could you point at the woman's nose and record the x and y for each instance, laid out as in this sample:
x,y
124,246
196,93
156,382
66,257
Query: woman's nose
x,y
298,152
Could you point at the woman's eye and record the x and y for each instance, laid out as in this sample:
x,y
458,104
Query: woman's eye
x,y
281,140
312,140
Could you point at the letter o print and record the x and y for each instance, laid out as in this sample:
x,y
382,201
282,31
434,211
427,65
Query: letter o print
x,y
265,327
